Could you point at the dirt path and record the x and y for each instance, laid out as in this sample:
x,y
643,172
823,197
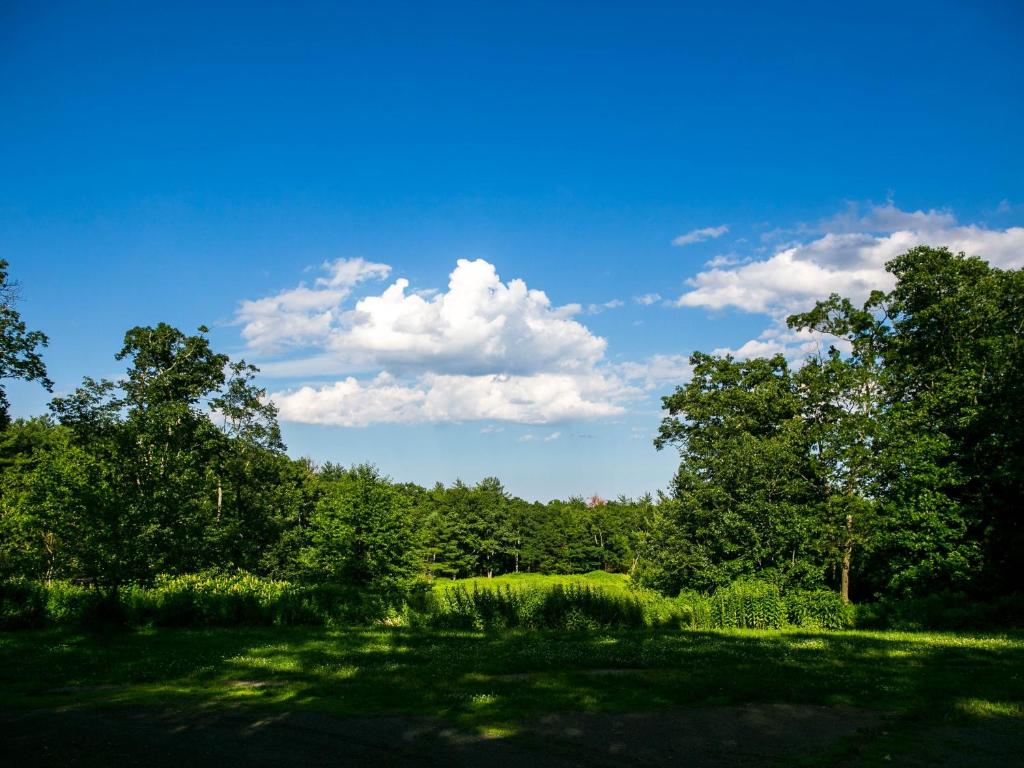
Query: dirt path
x,y
703,738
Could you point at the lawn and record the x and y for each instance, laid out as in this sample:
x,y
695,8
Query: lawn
x,y
498,686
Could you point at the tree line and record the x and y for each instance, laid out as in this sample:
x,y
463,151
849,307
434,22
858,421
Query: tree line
x,y
887,463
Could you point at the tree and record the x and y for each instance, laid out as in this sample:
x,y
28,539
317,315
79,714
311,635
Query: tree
x,y
183,494
492,524
746,487
361,533
60,517
20,356
843,401
952,462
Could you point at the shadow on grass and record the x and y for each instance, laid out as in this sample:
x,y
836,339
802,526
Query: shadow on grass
x,y
460,693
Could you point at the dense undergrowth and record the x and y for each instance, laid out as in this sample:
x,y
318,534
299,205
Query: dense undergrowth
x,y
587,602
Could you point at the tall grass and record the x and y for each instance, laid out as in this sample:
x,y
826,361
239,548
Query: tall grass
x,y
587,602
195,600
567,607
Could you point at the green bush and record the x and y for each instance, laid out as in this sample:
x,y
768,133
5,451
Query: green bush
x,y
196,600
244,599
817,609
941,611
694,610
752,604
74,605
22,604
568,606
748,604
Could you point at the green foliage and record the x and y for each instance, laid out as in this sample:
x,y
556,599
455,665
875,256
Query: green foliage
x,y
361,533
748,604
196,600
22,604
818,609
751,604
571,607
746,493
895,455
941,611
20,356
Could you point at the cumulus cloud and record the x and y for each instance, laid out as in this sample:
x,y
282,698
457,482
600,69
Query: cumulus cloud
x,y
536,399
843,254
479,325
481,350
697,235
302,315
658,371
844,261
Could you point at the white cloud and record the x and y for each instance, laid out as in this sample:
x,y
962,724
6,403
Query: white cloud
x,y
795,346
851,263
345,273
594,309
479,325
302,315
647,299
658,371
552,437
482,350
536,399
723,260
697,235
884,218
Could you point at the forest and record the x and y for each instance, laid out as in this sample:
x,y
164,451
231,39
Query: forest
x,y
889,464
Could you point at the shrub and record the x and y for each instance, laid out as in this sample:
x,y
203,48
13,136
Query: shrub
x,y
748,604
941,611
817,609
22,604
570,606
74,605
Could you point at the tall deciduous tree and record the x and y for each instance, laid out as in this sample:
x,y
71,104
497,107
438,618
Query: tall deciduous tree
x,y
843,402
361,533
746,487
953,459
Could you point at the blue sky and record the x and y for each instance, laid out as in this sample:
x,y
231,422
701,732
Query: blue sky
x,y
271,170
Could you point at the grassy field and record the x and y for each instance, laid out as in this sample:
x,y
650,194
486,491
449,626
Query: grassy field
x,y
615,583
922,692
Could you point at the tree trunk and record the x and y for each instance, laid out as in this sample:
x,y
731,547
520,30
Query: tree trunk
x,y
220,499
844,588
